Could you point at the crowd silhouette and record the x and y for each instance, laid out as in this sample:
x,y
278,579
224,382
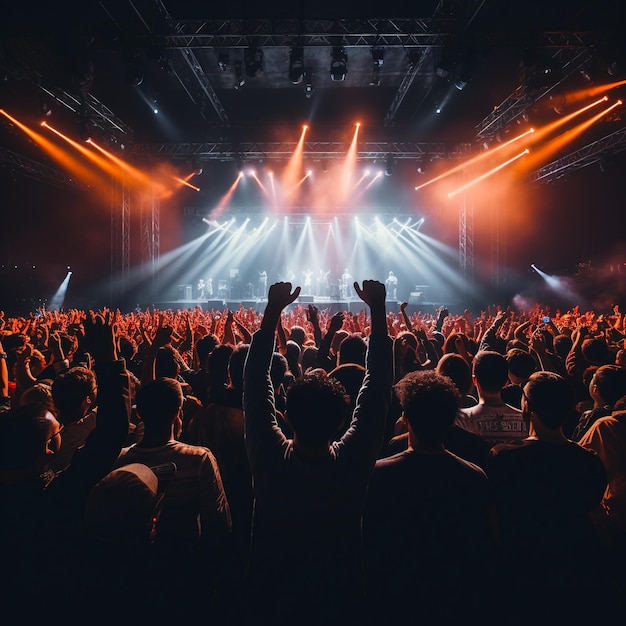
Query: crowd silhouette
x,y
306,466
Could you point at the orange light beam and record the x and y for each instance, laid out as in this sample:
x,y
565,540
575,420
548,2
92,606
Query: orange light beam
x,y
476,180
182,181
477,158
138,175
307,175
378,175
60,156
225,199
349,165
94,158
549,128
260,184
295,161
562,140
358,182
590,92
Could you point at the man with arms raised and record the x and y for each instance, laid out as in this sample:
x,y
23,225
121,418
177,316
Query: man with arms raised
x,y
306,555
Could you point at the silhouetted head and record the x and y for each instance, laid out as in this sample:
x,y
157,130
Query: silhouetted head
x,y
550,397
429,402
316,409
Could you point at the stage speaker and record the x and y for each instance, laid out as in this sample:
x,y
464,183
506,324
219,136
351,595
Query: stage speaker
x,y
306,299
218,305
184,292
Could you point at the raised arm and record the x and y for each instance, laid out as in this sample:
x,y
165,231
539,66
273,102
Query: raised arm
x,y
365,434
262,433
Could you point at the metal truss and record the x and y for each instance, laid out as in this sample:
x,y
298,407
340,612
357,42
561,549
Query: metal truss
x,y
97,113
588,155
415,68
406,33
150,235
466,239
284,150
33,169
188,70
84,104
120,238
569,59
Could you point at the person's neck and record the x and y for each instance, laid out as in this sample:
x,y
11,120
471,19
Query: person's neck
x,y
490,398
546,435
155,440
427,447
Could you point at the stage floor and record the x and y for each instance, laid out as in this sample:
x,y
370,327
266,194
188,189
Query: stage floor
x,y
353,305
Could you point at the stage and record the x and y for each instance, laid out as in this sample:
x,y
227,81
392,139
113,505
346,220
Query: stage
x,y
332,305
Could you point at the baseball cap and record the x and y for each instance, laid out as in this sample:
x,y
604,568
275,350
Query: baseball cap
x,y
122,505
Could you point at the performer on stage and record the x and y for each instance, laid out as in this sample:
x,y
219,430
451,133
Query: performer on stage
x,y
201,289
262,284
391,283
321,283
209,287
346,284
307,275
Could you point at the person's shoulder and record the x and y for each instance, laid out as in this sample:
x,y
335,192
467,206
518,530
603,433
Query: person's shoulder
x,y
391,462
463,465
515,446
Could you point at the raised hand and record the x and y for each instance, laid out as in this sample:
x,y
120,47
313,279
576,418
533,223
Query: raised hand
x,y
281,296
336,322
312,314
99,337
372,293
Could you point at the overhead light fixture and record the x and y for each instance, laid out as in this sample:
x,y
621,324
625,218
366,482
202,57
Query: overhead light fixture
x,y
378,56
389,163
197,167
308,83
84,129
223,60
240,81
461,82
338,64
296,65
46,108
253,60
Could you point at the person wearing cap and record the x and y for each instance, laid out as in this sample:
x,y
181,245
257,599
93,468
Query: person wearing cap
x,y
195,521
121,518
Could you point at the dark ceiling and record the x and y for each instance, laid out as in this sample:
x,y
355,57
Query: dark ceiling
x,y
107,64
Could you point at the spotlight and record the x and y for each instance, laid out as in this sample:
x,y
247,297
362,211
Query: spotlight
x,y
389,163
378,55
308,83
253,60
461,82
223,60
84,130
338,64
46,108
240,81
197,168
296,65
